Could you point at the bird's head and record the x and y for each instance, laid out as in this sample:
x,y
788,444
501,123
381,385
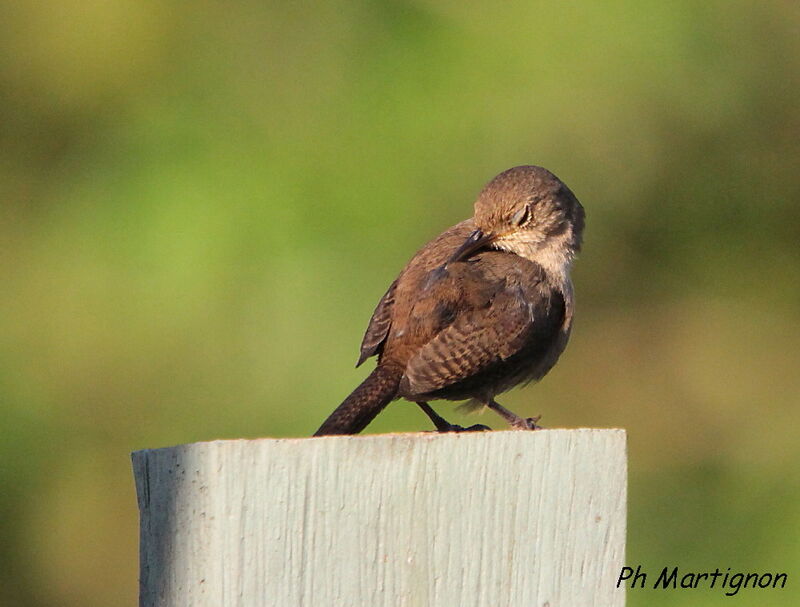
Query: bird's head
x,y
530,212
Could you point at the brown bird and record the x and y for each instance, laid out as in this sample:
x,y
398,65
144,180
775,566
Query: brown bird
x,y
485,306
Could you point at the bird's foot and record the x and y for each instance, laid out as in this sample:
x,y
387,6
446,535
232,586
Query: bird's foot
x,y
442,425
457,428
528,423
514,420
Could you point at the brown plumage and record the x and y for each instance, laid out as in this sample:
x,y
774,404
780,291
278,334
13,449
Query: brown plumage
x,y
483,307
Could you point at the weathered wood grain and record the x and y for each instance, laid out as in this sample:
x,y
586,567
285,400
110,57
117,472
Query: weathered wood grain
x,y
494,518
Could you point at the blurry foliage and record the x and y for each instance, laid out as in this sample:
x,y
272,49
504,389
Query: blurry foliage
x,y
201,203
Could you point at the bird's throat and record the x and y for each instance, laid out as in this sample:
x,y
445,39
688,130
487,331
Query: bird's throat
x,y
553,254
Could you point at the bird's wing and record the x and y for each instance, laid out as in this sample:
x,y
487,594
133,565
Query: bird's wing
x,y
378,327
481,337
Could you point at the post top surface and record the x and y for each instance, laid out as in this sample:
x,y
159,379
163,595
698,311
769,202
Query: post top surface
x,y
411,437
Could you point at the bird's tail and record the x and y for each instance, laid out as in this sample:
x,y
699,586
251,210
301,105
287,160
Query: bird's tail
x,y
366,401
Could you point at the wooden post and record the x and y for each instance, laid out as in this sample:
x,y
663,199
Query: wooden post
x,y
485,518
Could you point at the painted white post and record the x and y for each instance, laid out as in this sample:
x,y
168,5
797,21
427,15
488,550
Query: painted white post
x,y
487,518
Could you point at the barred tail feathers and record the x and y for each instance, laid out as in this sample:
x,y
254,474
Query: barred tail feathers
x,y
364,404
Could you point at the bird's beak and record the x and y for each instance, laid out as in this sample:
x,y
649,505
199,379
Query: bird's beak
x,y
476,240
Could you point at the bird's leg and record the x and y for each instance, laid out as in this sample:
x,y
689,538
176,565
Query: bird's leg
x,y
517,422
442,425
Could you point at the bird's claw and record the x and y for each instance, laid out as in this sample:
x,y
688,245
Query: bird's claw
x,y
529,423
456,428
474,428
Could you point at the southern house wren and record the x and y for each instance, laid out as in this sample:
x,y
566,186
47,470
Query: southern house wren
x,y
483,307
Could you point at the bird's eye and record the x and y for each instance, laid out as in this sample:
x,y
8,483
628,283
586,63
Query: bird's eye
x,y
520,217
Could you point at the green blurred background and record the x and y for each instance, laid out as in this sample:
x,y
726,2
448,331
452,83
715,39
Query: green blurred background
x,y
201,203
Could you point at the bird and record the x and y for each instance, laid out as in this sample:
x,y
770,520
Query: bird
x,y
485,306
